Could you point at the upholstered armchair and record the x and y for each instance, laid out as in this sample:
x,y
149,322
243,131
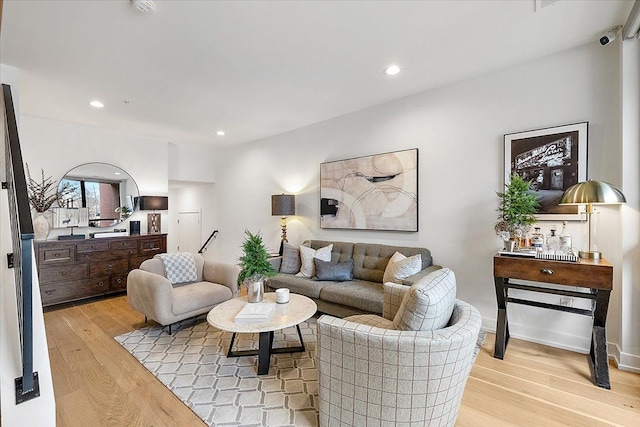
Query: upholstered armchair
x,y
168,295
406,368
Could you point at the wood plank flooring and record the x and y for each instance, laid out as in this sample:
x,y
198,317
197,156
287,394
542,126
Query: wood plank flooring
x,y
98,383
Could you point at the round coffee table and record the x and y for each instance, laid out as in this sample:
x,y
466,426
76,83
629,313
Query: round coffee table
x,y
297,310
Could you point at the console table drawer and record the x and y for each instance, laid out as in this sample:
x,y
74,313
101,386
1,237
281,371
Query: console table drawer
x,y
61,273
151,245
103,255
123,244
76,289
93,246
108,267
582,274
57,253
118,282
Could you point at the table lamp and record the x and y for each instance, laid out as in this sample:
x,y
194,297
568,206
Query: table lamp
x,y
592,193
283,205
153,203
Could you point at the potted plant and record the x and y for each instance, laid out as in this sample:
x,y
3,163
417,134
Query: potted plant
x,y
518,206
254,266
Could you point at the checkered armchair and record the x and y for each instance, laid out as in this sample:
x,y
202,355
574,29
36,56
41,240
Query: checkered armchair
x,y
408,367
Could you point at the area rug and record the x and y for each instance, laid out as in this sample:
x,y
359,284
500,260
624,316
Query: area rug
x,y
223,391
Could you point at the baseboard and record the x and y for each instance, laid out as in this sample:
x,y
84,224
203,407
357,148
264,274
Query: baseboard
x,y
624,361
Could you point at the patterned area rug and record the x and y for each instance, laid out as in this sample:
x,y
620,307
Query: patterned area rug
x,y
223,391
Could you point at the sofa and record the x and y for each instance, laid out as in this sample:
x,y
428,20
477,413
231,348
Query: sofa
x,y
151,293
361,295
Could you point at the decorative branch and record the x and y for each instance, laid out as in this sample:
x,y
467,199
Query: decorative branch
x,y
43,194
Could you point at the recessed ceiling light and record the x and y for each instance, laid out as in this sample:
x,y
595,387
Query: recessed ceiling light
x,y
117,173
96,104
220,133
392,70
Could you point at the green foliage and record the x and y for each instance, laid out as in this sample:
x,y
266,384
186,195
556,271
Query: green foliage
x,y
518,206
255,259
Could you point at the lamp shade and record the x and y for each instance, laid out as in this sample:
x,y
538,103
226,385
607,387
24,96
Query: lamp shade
x,y
283,204
593,192
153,203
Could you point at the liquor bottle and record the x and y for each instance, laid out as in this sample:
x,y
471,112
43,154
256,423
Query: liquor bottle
x,y
553,242
537,240
565,239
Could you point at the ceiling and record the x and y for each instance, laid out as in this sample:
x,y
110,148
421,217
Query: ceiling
x,y
256,69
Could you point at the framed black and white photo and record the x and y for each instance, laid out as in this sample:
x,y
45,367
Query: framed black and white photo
x,y
378,192
70,217
553,159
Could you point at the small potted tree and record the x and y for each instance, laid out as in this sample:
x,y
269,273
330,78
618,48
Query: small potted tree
x,y
254,266
518,206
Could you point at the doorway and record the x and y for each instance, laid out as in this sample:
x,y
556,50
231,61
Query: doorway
x,y
189,231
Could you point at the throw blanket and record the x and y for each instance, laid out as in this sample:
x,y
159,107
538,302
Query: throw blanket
x,y
179,267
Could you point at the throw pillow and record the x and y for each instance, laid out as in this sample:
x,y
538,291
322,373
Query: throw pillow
x,y
400,267
290,259
179,267
307,267
336,272
428,304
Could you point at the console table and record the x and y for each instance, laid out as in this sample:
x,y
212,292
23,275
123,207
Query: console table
x,y
72,270
596,275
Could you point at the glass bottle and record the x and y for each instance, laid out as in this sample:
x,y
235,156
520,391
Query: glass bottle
x,y
553,242
565,239
537,240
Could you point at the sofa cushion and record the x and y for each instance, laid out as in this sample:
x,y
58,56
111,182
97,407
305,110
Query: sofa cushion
x,y
196,296
290,259
298,285
337,272
307,267
400,267
342,251
428,304
360,294
370,260
179,267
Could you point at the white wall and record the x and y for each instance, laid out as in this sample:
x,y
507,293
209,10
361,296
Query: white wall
x,y
196,164
628,349
40,411
459,132
57,147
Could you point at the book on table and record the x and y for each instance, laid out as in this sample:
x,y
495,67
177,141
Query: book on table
x,y
255,312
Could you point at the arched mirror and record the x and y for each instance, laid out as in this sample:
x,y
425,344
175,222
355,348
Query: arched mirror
x,y
105,190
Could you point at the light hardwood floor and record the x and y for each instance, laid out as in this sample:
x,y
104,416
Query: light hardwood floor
x,y
98,383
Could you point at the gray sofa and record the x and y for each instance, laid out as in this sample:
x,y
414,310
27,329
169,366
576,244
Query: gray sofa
x,y
362,295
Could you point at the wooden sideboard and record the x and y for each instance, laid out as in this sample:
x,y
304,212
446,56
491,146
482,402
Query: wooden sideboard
x,y
72,270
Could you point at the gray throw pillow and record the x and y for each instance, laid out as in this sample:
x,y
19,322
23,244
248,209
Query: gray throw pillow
x,y
331,271
290,259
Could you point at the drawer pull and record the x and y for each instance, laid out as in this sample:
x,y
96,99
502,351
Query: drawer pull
x,y
109,267
63,273
151,245
119,281
101,283
57,255
546,271
49,292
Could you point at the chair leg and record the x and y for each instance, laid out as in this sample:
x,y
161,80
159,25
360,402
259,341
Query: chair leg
x,y
169,329
145,319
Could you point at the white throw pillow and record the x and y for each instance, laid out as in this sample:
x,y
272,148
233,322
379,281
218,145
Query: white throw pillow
x,y
307,267
400,267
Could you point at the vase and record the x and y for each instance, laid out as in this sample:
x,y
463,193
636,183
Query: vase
x,y
255,290
40,226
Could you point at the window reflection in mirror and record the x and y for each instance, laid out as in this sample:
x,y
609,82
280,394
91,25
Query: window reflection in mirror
x,y
105,190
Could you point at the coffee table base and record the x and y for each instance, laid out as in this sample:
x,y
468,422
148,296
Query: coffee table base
x,y
265,350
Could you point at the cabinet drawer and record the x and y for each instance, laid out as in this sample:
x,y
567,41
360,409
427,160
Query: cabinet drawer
x,y
56,253
75,289
103,255
123,244
581,274
92,246
101,268
151,245
135,261
118,282
63,273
